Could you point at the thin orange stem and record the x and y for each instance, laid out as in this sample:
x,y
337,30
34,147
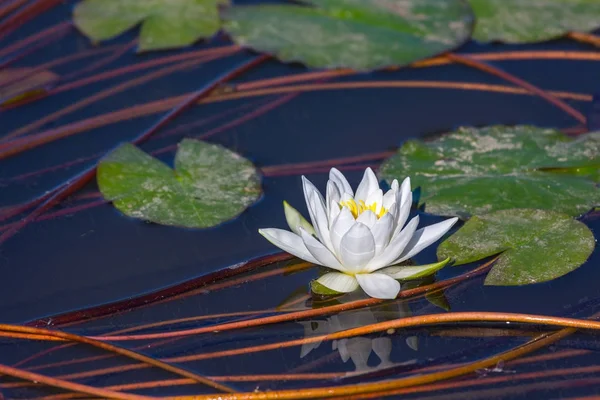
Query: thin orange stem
x,y
275,169
16,145
165,104
389,387
30,336
60,27
296,315
229,378
135,328
432,62
177,58
536,375
304,314
117,350
398,324
549,97
585,38
373,328
10,7
62,384
468,86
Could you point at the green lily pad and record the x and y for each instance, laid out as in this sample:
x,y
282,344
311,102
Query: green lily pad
x,y
358,34
209,185
536,245
166,24
474,171
530,21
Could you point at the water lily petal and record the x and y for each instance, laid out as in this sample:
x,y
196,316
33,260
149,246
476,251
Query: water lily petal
x,y
320,252
395,248
393,210
379,286
288,242
334,210
332,194
405,190
341,182
322,222
413,271
404,200
367,218
340,227
424,237
357,247
295,219
309,189
375,197
342,283
316,207
389,197
367,185
382,232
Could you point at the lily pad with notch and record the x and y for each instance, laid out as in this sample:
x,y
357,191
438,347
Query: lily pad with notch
x,y
209,185
357,34
534,245
531,21
473,171
165,24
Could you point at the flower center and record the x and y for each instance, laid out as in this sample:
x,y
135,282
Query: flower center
x,y
358,208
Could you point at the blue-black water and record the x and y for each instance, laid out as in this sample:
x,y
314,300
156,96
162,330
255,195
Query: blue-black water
x,y
97,256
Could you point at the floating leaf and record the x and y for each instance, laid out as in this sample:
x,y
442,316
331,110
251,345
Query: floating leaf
x,y
530,21
165,23
358,34
209,185
473,171
536,245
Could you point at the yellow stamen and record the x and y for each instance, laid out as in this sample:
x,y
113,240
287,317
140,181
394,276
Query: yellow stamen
x,y
358,208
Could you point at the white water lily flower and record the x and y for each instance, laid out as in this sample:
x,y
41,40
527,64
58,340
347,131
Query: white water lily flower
x,y
358,234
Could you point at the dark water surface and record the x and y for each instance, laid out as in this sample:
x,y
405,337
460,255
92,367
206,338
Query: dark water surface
x,y
96,256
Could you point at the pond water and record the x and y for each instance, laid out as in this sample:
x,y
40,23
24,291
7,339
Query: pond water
x,y
95,256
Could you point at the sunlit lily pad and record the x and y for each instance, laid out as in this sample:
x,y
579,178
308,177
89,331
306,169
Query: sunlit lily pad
x,y
165,23
529,21
358,34
536,245
473,171
209,184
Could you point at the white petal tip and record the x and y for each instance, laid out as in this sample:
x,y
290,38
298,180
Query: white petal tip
x,y
379,286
